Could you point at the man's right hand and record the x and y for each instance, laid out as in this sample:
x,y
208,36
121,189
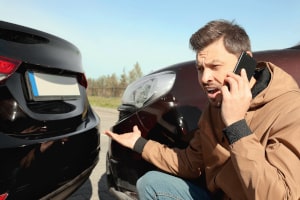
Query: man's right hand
x,y
126,139
237,100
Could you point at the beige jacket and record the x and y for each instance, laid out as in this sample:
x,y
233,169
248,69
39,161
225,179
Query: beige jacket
x,y
260,166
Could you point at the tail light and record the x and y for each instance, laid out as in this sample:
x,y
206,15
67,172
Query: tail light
x,y
82,80
8,67
3,196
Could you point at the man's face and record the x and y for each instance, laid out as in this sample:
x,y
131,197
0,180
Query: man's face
x,y
213,63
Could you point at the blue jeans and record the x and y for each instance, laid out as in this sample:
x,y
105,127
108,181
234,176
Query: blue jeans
x,y
162,186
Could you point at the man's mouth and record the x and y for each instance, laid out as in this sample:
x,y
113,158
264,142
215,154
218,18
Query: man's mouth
x,y
214,95
212,90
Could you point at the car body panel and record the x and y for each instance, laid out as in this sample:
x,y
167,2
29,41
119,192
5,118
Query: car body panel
x,y
39,48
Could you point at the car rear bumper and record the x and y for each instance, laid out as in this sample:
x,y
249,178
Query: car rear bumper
x,y
70,187
38,168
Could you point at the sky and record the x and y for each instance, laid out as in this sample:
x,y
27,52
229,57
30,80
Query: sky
x,y
114,35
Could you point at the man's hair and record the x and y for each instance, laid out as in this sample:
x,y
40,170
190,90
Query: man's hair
x,y
235,37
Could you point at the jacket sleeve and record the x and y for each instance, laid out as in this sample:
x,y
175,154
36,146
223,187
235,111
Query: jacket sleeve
x,y
270,169
185,163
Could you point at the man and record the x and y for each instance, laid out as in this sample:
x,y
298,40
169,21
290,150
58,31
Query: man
x,y
248,143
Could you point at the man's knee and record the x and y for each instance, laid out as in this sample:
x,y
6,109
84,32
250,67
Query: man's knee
x,y
147,180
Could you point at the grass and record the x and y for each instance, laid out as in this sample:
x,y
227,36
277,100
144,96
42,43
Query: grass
x,y
106,102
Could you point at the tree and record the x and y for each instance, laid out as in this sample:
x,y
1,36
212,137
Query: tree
x,y
135,73
124,80
111,85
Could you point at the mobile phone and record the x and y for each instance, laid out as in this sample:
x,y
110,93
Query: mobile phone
x,y
247,62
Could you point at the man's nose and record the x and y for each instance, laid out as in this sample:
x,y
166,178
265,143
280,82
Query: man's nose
x,y
206,75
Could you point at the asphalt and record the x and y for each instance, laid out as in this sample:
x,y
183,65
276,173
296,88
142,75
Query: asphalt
x,y
95,187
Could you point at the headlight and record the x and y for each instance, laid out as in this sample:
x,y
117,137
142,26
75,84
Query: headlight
x,y
148,88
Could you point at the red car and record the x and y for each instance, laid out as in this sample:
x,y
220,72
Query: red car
x,y
166,106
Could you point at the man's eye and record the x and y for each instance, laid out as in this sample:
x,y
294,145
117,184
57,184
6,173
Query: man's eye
x,y
214,66
200,69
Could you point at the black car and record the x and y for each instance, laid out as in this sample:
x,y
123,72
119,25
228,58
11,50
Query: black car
x,y
49,135
166,106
